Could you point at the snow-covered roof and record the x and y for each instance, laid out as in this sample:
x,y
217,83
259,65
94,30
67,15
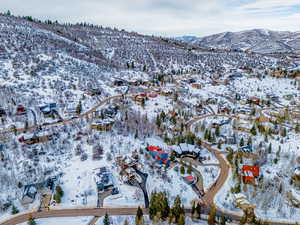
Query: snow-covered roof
x,y
183,147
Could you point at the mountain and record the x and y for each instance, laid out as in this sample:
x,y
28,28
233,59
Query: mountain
x,y
256,40
187,38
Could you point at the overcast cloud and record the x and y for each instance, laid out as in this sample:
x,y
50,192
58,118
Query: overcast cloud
x,y
167,17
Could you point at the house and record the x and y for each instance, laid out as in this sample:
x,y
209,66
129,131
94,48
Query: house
x,y
253,100
103,125
250,173
152,95
246,149
29,194
190,180
159,155
196,86
47,109
241,202
104,181
235,76
167,92
111,111
186,150
119,82
93,92
140,98
231,140
21,110
33,139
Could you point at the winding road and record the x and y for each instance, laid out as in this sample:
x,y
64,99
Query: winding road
x,y
208,198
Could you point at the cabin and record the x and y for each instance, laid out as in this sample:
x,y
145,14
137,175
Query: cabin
x,y
159,155
21,110
250,173
103,125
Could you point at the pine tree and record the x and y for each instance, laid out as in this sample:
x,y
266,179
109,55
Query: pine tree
x,y
182,170
177,208
249,142
212,216
31,221
106,220
223,220
139,217
181,220
126,222
242,142
253,131
217,132
165,206
79,108
14,210
270,148
198,209
297,128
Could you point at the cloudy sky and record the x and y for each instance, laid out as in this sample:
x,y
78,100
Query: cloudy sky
x,y
167,17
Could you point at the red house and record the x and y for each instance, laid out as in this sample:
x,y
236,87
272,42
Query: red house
x,y
250,173
159,155
21,110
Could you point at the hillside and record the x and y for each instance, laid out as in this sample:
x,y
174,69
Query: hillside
x,y
257,40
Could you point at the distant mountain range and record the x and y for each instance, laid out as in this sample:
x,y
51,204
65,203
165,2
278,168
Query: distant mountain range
x,y
256,40
187,39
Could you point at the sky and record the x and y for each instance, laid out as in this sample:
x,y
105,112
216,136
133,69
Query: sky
x,y
169,18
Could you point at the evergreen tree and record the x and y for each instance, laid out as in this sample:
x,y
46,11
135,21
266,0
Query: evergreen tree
x,y
223,220
106,220
14,210
198,209
212,216
182,170
165,206
249,142
189,169
217,132
79,108
270,148
31,221
181,220
242,142
126,222
253,131
297,128
177,208
139,220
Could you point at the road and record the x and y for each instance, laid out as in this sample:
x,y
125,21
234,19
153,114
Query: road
x,y
208,197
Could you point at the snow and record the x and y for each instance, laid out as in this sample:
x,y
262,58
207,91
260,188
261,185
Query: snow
x,y
62,221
